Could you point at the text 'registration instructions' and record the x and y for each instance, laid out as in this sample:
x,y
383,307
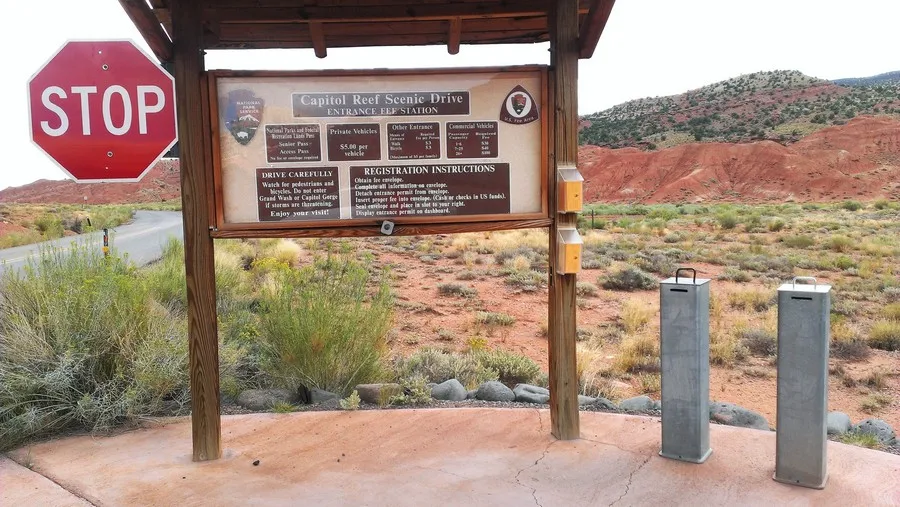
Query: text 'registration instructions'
x,y
429,190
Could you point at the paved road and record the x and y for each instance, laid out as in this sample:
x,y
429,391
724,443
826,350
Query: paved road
x,y
142,239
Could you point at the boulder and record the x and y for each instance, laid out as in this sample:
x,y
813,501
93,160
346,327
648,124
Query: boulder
x,y
641,403
527,393
377,394
320,396
657,405
470,395
451,390
585,400
494,391
838,423
879,428
605,404
734,415
265,399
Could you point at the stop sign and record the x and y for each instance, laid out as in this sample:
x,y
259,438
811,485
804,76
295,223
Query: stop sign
x,y
102,110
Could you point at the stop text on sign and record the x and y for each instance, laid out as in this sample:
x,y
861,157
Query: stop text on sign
x,y
115,98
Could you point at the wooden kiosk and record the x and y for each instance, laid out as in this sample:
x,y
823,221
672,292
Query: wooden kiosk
x,y
546,187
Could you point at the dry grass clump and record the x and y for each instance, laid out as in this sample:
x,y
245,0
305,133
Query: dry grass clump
x,y
846,342
750,300
874,403
759,342
638,353
885,335
725,349
635,316
456,290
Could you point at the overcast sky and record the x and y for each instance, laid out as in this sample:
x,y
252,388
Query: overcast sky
x,y
649,48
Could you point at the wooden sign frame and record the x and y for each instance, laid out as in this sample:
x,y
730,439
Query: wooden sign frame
x,y
414,225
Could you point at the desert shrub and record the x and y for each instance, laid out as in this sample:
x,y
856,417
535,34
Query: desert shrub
x,y
325,327
725,349
851,205
891,312
629,279
839,243
750,300
882,204
528,280
351,402
799,241
596,262
874,403
639,353
844,262
775,225
494,319
891,293
727,220
511,368
165,277
735,275
656,262
650,383
466,275
586,289
84,346
50,226
107,217
885,335
759,342
438,366
413,391
457,290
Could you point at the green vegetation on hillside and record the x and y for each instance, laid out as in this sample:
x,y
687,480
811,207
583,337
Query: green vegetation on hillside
x,y
780,105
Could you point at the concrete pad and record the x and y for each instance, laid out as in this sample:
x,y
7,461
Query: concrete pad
x,y
21,486
447,457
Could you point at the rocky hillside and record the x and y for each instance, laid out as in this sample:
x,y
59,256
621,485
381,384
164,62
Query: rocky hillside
x,y
161,184
780,106
859,160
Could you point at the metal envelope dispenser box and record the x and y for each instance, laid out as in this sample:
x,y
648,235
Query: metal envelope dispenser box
x,y
569,260
570,189
804,312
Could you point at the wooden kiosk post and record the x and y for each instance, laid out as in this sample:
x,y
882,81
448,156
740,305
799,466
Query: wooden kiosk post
x,y
521,174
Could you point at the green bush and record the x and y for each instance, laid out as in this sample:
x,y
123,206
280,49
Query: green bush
x,y
512,368
800,241
438,366
325,327
458,290
851,205
494,319
50,226
629,279
84,346
775,225
413,391
727,220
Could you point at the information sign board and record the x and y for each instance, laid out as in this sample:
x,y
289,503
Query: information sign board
x,y
328,149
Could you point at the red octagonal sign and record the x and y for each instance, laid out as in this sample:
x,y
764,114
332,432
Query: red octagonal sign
x,y
103,110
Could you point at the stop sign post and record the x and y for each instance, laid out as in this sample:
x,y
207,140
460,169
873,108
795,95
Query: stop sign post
x,y
103,111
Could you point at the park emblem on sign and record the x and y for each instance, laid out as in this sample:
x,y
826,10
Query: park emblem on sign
x,y
243,115
519,107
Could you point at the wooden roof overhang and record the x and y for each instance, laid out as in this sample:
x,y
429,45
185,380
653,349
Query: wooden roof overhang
x,y
323,24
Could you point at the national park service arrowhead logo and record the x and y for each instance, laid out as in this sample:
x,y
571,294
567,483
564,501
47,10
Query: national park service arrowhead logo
x,y
243,114
519,107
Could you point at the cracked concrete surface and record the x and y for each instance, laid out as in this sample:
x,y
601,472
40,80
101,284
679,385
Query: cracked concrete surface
x,y
466,457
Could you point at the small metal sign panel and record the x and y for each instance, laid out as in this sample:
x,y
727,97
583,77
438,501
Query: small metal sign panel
x,y
352,148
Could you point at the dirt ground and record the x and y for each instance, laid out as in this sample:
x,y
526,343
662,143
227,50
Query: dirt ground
x,y
427,319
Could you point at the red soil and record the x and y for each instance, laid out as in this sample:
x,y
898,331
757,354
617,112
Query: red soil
x,y
859,160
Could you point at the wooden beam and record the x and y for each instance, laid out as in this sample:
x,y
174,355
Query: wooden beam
x,y
146,23
593,25
563,23
318,39
196,188
374,231
371,13
453,36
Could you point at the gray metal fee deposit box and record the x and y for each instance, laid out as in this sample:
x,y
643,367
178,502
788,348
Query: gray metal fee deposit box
x,y
801,428
684,358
